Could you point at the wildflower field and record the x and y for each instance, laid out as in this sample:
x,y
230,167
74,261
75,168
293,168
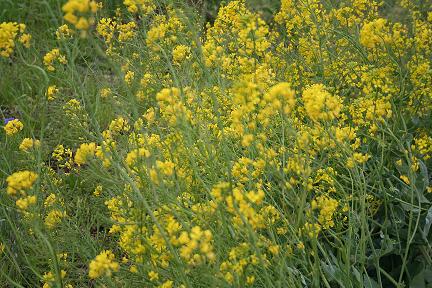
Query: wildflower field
x,y
194,143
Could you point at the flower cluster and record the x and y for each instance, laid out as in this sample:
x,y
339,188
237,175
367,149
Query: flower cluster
x,y
13,127
103,265
28,143
10,34
80,13
255,149
52,57
20,181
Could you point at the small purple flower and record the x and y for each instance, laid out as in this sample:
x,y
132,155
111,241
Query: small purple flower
x,y
6,120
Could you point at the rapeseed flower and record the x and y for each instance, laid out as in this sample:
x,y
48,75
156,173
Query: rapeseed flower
x,y
28,143
84,152
103,265
10,34
12,127
52,57
320,104
20,181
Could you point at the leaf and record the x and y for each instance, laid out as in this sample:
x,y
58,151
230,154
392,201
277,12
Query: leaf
x,y
357,274
428,275
387,246
333,272
330,270
428,223
369,282
409,207
422,181
418,281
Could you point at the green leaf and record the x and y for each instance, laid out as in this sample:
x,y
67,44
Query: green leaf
x,y
369,282
418,281
428,275
422,181
428,223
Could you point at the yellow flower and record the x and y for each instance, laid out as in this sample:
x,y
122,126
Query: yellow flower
x,y
82,23
98,190
51,57
281,92
180,53
25,40
63,32
9,32
13,127
49,278
327,206
300,246
167,167
274,249
247,140
312,230
20,181
196,245
126,31
72,108
103,265
136,154
250,280
85,151
320,104
25,202
144,6
167,284
373,33
105,92
63,157
53,218
357,158
50,200
28,144
79,12
153,276
119,125
129,76
51,92
405,179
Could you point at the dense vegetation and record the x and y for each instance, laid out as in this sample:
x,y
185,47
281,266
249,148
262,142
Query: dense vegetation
x,y
162,143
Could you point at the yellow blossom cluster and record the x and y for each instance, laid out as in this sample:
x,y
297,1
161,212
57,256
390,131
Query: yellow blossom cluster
x,y
28,143
13,127
246,152
143,6
20,181
51,92
63,32
320,104
18,184
103,265
52,57
84,152
25,202
181,53
327,207
199,240
10,32
113,31
63,157
53,218
80,12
